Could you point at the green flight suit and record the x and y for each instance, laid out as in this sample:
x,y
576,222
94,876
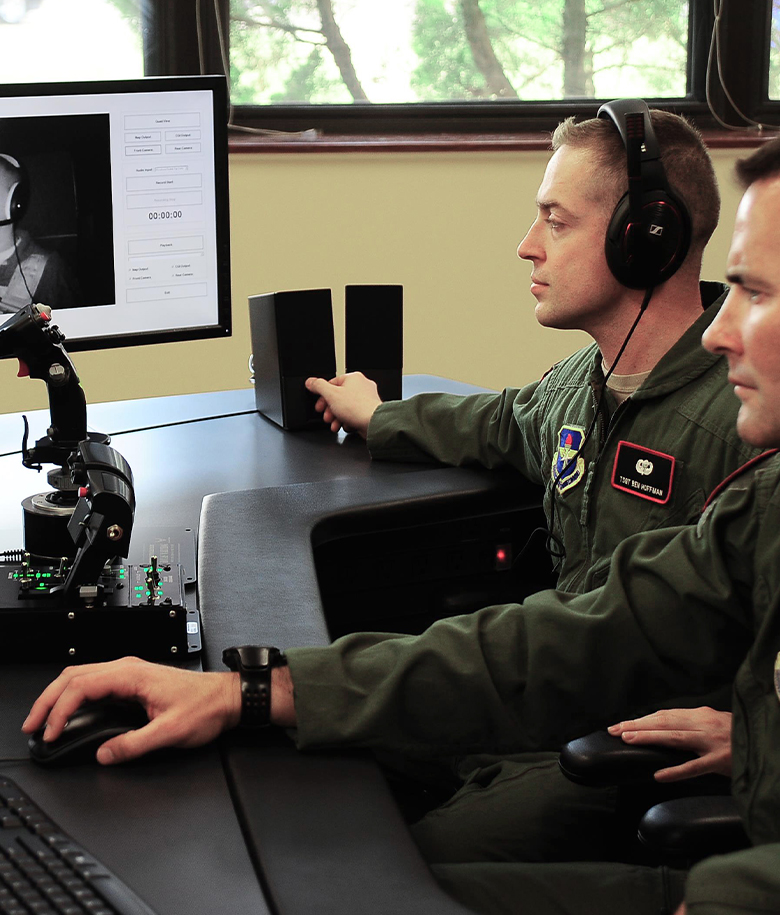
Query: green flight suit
x,y
523,808
685,409
684,610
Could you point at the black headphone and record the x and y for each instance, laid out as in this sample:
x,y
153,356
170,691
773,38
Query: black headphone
x,y
650,231
15,204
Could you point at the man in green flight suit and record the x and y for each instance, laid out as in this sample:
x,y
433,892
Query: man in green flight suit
x,y
684,609
669,408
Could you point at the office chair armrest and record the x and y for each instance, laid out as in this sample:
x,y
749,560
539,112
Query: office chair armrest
x,y
600,760
693,827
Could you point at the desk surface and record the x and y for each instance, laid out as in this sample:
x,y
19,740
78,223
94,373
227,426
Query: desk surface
x,y
167,825
182,448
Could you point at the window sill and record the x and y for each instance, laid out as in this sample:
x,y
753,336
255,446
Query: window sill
x,y
239,142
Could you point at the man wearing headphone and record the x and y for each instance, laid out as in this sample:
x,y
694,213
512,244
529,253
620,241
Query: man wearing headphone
x,y
628,434
28,272
683,609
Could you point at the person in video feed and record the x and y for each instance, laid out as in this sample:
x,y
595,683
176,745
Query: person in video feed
x,y
29,272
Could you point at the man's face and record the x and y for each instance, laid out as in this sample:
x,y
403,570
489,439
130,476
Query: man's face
x,y
570,279
747,328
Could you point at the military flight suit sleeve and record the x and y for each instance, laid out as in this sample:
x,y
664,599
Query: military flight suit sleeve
x,y
737,884
491,430
673,618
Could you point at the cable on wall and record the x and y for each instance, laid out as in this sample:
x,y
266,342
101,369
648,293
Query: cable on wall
x,y
714,59
310,133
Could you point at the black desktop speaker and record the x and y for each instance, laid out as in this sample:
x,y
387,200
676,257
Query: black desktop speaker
x,y
292,339
374,335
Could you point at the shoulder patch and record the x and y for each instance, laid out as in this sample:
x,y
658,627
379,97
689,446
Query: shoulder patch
x,y
568,468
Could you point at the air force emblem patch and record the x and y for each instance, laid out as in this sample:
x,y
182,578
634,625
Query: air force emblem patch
x,y
568,468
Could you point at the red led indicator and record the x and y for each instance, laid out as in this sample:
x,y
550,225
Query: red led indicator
x,y
503,557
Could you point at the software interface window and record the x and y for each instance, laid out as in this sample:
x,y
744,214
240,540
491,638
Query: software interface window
x,y
122,185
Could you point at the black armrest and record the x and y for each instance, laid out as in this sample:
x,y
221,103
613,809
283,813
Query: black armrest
x,y
694,827
599,759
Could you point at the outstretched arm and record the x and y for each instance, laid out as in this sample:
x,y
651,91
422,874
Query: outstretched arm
x,y
346,402
185,708
703,731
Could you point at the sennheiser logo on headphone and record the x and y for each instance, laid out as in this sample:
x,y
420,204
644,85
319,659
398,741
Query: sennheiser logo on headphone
x,y
656,230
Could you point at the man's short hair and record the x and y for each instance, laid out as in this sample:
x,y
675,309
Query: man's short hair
x,y
763,163
685,158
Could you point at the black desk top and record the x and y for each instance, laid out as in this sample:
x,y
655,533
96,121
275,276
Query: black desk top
x,y
167,824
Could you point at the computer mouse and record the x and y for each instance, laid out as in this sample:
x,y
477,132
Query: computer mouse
x,y
87,728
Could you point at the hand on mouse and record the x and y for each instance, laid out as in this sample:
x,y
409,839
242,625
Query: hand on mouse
x,y
185,708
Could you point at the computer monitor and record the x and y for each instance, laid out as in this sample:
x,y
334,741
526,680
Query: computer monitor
x,y
114,208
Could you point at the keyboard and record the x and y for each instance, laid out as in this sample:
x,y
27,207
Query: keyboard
x,y
43,871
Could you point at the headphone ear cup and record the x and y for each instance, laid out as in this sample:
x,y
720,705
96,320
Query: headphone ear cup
x,y
648,254
15,205
20,198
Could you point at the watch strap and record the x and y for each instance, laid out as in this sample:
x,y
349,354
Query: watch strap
x,y
254,663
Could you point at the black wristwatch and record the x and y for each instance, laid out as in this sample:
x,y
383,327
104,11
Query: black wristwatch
x,y
254,663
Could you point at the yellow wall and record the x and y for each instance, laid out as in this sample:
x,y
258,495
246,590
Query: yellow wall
x,y
445,225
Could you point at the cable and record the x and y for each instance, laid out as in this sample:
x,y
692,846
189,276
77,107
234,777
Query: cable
x,y
19,262
554,544
309,133
714,55
177,422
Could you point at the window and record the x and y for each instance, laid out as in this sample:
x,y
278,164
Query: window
x,y
66,40
481,66
412,51
774,52
436,67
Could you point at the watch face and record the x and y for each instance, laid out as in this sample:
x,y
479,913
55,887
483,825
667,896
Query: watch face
x,y
257,657
250,657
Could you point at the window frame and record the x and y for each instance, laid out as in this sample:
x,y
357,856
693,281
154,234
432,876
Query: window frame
x,y
171,48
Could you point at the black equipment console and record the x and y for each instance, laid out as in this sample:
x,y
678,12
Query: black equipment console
x,y
43,870
68,595
130,609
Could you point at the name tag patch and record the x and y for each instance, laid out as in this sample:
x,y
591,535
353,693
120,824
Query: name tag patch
x,y
644,473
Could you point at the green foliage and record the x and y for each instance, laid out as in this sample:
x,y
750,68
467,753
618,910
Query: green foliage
x,y
277,55
130,9
446,69
774,54
628,47
310,83
623,37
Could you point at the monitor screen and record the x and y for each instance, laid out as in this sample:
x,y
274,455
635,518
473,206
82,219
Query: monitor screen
x,y
114,208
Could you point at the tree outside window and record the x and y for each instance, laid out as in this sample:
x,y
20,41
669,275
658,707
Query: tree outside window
x,y
364,51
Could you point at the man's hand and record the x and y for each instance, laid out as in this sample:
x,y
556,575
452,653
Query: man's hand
x,y
346,402
185,708
703,731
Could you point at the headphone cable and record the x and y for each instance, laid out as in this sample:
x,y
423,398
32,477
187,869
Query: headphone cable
x,y
19,262
554,544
